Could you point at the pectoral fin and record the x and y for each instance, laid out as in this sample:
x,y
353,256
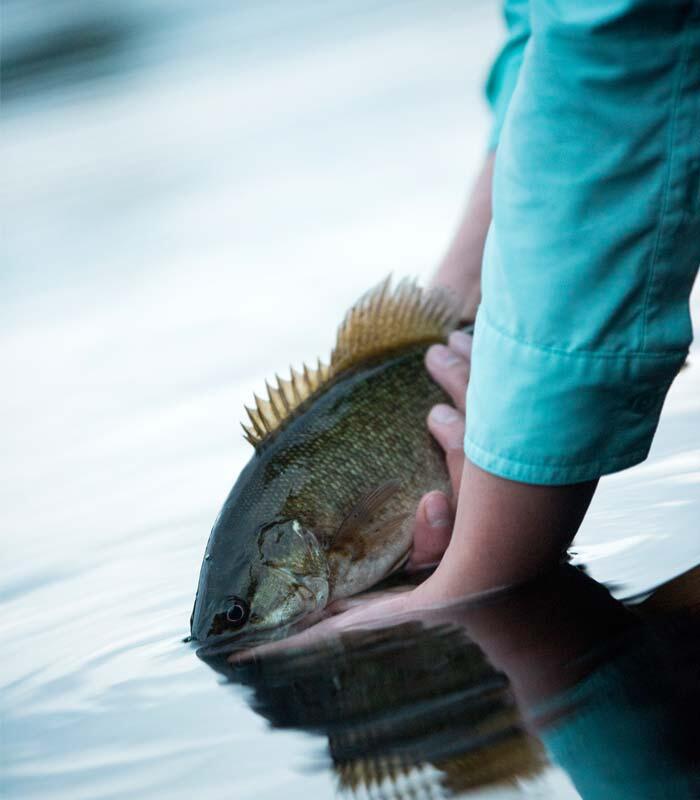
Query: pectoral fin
x,y
367,507
372,542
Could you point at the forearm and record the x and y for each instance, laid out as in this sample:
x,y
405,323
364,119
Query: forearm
x,y
584,318
506,532
589,261
460,268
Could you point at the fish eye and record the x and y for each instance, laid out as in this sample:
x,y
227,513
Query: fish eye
x,y
237,612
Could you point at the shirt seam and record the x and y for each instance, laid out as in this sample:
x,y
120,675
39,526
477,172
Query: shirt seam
x,y
640,453
603,355
667,186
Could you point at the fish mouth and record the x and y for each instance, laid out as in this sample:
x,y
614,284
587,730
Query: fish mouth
x,y
219,627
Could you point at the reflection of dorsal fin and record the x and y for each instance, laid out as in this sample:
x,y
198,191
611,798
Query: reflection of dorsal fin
x,y
502,760
380,322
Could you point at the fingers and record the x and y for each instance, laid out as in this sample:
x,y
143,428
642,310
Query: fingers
x,y
432,530
364,599
369,613
447,426
434,517
461,343
309,637
449,366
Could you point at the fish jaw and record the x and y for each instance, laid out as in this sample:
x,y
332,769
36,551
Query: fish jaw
x,y
306,595
283,580
294,602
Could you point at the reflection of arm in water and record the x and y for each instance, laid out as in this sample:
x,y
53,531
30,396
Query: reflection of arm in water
x,y
605,695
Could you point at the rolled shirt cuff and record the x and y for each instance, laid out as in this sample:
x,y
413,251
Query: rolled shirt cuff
x,y
547,416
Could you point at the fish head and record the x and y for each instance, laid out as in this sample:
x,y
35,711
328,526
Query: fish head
x,y
279,579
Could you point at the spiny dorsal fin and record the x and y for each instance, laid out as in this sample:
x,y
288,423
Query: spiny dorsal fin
x,y
383,320
380,322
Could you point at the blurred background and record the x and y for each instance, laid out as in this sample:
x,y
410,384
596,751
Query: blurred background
x,y
192,195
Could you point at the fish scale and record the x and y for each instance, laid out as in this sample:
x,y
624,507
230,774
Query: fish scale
x,y
324,509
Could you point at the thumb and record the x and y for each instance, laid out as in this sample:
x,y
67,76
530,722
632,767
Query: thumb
x,y
432,529
447,426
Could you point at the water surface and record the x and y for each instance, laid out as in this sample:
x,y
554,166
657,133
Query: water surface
x,y
192,196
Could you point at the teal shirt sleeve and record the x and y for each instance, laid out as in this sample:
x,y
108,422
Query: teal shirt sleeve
x,y
504,72
594,243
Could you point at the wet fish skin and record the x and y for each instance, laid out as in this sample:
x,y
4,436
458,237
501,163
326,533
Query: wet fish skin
x,y
282,542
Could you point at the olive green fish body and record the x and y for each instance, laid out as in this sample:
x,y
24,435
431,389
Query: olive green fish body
x,y
325,507
368,429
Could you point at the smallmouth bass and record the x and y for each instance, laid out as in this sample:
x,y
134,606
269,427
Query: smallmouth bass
x,y
324,508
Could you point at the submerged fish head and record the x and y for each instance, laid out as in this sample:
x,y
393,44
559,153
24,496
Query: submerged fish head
x,y
279,578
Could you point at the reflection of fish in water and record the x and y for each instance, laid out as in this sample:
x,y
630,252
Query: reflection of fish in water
x,y
413,708
416,709
324,508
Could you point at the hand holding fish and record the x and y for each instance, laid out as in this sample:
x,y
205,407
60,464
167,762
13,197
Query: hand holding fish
x,y
326,508
449,367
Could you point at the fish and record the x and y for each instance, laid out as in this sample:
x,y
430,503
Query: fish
x,y
324,508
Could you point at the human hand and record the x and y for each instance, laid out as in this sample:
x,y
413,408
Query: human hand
x,y
449,366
